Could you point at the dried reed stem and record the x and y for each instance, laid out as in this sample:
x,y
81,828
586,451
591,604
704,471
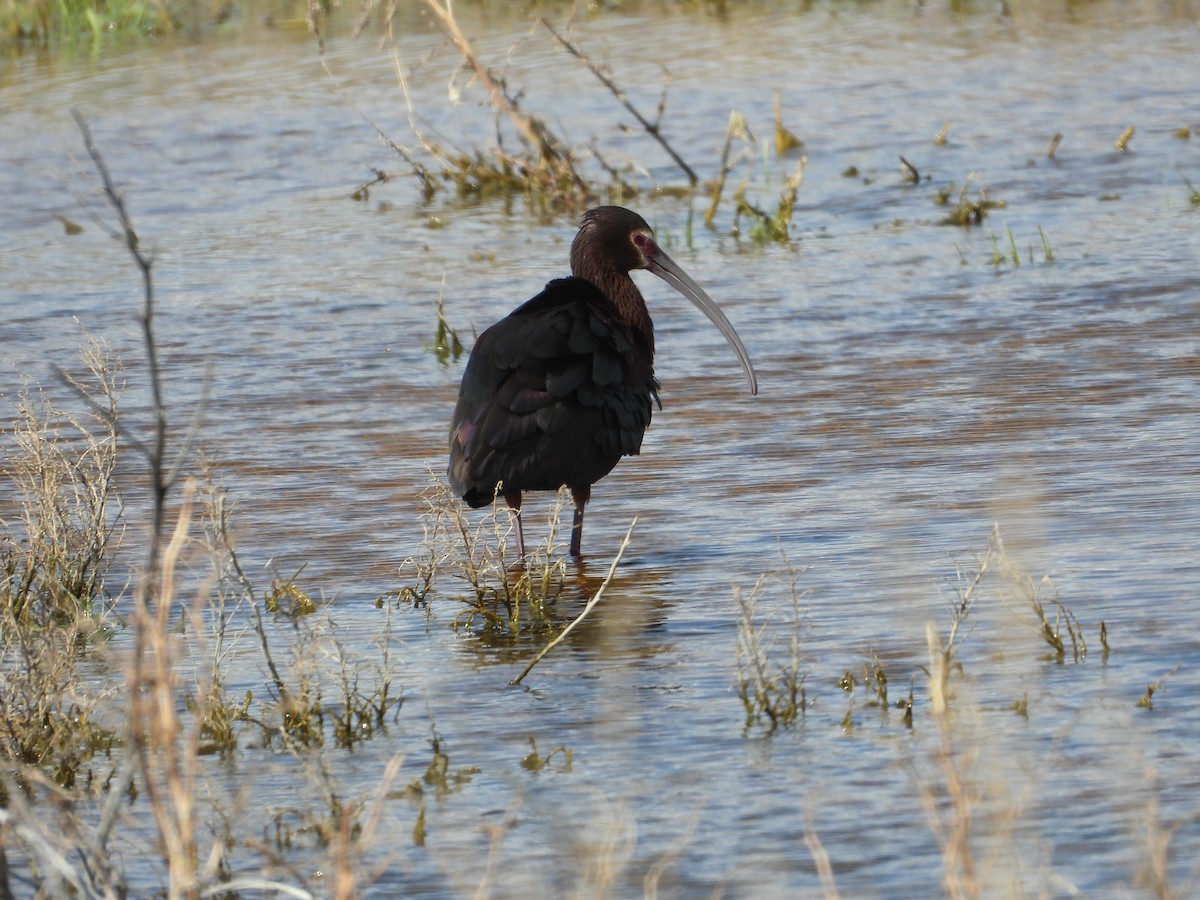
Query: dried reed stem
x,y
587,609
652,128
532,129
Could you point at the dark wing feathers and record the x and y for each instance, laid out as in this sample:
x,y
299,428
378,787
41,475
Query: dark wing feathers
x,y
554,394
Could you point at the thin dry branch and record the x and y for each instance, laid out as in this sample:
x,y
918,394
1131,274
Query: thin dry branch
x,y
652,128
167,768
162,473
587,609
220,516
532,129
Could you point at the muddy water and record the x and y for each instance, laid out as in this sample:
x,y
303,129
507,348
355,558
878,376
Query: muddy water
x,y
914,393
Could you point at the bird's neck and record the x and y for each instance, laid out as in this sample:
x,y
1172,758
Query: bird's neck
x,y
622,291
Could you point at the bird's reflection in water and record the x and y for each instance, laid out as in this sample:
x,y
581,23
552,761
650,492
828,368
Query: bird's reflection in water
x,y
634,606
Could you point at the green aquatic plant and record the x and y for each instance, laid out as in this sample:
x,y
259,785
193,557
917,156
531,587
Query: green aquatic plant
x,y
536,762
1054,142
1193,191
784,139
876,681
767,227
92,22
1147,699
997,256
966,211
530,158
1012,255
1049,254
446,346
288,598
219,719
735,130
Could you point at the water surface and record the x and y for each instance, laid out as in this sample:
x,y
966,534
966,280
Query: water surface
x,y
914,394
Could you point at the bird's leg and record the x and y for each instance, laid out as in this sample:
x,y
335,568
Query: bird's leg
x,y
513,499
581,495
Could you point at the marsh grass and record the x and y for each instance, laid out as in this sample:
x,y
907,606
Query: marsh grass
x,y
771,227
529,157
54,553
54,560
171,706
1002,257
766,227
44,21
973,794
770,683
474,566
108,721
1047,252
1193,191
771,676
737,132
445,346
785,140
965,210
1034,601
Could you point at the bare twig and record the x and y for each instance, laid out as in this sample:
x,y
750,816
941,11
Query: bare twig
x,y
652,128
428,182
587,609
220,517
820,858
167,769
161,475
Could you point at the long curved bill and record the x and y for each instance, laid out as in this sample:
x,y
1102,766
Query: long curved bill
x,y
670,272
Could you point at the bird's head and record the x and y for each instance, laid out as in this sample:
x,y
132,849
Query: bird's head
x,y
613,240
612,237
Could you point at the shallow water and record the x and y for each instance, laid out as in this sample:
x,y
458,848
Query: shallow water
x,y
913,395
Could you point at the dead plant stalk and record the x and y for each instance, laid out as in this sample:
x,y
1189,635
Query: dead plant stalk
x,y
591,604
532,129
168,772
652,128
169,769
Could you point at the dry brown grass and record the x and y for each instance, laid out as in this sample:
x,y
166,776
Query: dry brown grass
x,y
54,559
165,703
771,684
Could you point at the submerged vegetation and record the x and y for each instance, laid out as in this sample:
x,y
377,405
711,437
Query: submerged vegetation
x,y
770,683
532,160
500,596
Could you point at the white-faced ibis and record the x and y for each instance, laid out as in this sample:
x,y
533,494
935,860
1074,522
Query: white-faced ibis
x,y
559,390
